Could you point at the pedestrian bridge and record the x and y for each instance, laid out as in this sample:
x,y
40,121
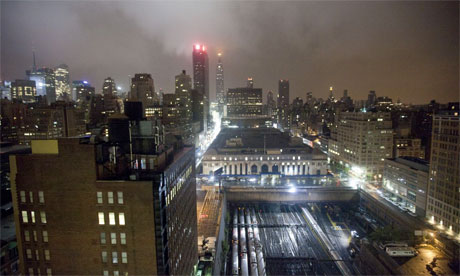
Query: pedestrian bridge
x,y
290,194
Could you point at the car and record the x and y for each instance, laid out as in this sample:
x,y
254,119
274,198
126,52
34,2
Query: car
x,y
412,214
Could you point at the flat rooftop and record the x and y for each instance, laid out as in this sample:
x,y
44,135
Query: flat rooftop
x,y
259,138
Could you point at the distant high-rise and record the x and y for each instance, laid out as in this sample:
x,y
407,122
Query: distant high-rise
x,y
201,69
143,90
244,102
220,90
24,90
109,87
201,77
183,94
371,98
82,91
62,80
45,83
250,83
283,103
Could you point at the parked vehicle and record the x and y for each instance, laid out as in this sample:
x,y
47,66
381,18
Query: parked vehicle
x,y
401,251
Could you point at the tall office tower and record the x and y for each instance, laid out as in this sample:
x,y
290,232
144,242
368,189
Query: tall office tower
x,y
125,206
24,90
271,106
183,86
143,90
45,82
244,102
444,185
250,83
82,91
220,90
283,103
309,99
109,87
61,74
371,99
201,70
362,141
201,77
198,113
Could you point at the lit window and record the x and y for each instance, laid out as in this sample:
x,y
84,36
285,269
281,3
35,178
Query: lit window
x,y
25,219
41,197
116,273
31,197
26,236
29,253
35,236
99,198
23,196
121,218
120,197
101,218
43,216
124,257
106,273
115,257
31,271
45,236
103,240
47,255
104,256
123,238
37,257
48,272
110,196
32,216
112,218
113,238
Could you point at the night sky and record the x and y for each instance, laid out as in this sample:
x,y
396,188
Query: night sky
x,y
407,50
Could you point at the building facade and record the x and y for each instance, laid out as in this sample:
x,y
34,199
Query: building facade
x,y
262,151
24,90
45,82
62,85
114,209
220,90
143,90
244,102
283,103
444,185
362,140
407,179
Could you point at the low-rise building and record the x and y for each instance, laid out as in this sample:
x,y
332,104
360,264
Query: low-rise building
x,y
262,151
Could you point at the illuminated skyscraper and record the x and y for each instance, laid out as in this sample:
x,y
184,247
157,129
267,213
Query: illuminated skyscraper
x,y
220,90
183,87
143,90
250,83
45,82
201,69
201,77
62,82
109,87
82,91
283,103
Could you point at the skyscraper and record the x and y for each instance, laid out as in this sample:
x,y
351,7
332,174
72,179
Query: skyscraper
x,y
62,80
183,86
45,82
143,90
201,69
444,184
220,90
24,90
109,87
283,103
82,91
250,83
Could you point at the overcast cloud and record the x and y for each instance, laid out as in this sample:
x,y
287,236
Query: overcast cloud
x,y
406,50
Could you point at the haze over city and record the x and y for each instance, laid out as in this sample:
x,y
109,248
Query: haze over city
x,y
397,49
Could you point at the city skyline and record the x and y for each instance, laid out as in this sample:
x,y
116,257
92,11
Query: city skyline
x,y
416,45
